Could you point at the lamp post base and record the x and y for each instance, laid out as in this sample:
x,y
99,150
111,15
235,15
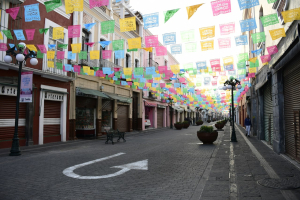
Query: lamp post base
x,y
15,149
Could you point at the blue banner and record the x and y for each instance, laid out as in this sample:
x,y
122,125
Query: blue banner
x,y
248,25
68,67
176,85
151,20
19,34
142,80
104,43
241,77
233,72
176,49
89,26
247,4
106,70
71,56
32,12
169,38
256,52
241,40
119,54
150,70
229,67
124,83
51,46
201,65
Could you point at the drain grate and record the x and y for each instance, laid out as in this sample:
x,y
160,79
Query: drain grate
x,y
282,184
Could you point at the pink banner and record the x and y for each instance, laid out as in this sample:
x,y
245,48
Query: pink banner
x,y
162,85
111,75
76,68
106,54
265,58
214,83
220,7
226,29
215,63
13,12
216,69
60,55
252,75
272,50
151,41
74,31
161,51
42,48
162,69
98,3
30,33
224,43
90,44
222,73
129,83
3,47
168,74
181,80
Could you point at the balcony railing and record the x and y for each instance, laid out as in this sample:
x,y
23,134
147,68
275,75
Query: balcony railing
x,y
152,63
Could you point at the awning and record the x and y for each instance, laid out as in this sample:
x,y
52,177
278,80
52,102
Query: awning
x,y
119,98
161,106
178,109
193,109
151,104
92,92
184,108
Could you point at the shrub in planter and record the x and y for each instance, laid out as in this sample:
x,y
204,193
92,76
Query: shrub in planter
x,y
207,135
199,122
178,125
186,124
208,121
219,125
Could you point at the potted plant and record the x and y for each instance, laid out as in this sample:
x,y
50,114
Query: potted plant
x,y
207,134
178,125
219,125
186,124
199,122
208,121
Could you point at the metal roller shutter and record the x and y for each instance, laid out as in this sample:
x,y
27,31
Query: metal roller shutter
x,y
122,121
268,112
52,111
160,117
8,111
292,108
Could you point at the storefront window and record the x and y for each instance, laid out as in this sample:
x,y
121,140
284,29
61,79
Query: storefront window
x,y
85,118
106,120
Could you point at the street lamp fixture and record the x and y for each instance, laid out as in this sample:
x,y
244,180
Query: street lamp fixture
x,y
232,84
171,101
21,57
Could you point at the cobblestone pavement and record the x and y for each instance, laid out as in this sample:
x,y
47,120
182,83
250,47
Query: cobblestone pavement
x,y
176,162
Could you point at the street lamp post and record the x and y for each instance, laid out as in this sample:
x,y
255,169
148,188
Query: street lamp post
x,y
21,57
232,84
171,104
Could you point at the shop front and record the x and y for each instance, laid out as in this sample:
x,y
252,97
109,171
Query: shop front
x,y
150,108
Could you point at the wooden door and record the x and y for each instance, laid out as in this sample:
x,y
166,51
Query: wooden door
x,y
122,121
160,117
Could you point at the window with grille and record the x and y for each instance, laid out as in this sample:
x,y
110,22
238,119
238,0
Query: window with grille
x,y
280,8
56,43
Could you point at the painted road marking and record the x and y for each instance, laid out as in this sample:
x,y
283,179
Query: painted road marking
x,y
140,165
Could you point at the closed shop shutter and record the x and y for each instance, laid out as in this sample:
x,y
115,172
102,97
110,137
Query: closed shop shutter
x,y
122,121
291,83
268,112
160,117
7,119
52,110
135,113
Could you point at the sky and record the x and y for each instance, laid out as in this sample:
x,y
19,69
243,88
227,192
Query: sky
x,y
202,18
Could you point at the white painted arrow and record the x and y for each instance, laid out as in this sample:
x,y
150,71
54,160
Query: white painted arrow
x,y
140,165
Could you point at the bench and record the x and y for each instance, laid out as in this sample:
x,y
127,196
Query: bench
x,y
114,133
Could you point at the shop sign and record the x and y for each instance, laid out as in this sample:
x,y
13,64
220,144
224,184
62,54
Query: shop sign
x,y
54,96
8,90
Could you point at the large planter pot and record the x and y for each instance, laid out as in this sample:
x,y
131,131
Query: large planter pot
x,y
178,126
207,138
219,126
199,123
186,125
208,121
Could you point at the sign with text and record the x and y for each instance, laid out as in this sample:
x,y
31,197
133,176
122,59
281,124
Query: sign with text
x,y
26,87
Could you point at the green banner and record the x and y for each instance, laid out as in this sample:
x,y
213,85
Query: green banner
x,y
118,74
241,65
148,77
191,47
271,1
142,84
129,50
118,45
269,20
241,71
63,46
59,66
40,54
7,33
139,71
52,5
256,64
258,37
243,57
108,27
43,30
117,82
83,55
170,13
187,36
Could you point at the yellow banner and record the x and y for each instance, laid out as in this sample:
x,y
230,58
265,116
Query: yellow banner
x,y
128,79
291,15
31,47
148,85
157,78
207,32
134,43
252,70
229,60
266,63
253,60
111,81
168,86
192,9
191,84
148,49
178,90
86,69
207,45
50,54
153,88
50,64
91,72
1,36
127,71
76,48
95,55
222,79
58,33
175,69
73,5
277,33
136,83
128,24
